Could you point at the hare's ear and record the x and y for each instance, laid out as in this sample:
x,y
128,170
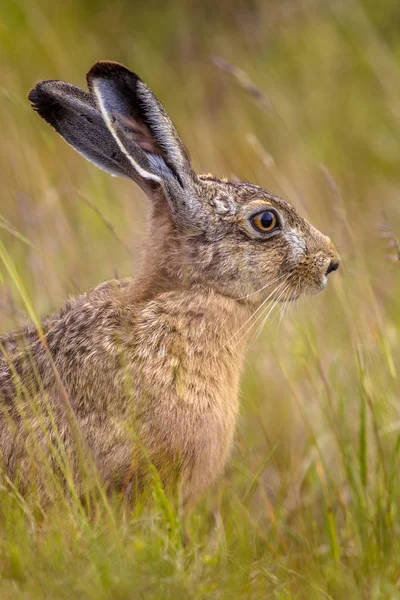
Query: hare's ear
x,y
143,131
74,115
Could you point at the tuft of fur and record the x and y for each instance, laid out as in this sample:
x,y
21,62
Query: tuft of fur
x,y
151,367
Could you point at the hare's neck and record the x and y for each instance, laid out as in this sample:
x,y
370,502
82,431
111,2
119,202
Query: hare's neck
x,y
221,322
192,342
208,324
157,274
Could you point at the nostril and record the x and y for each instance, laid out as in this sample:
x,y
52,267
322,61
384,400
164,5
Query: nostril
x,y
334,265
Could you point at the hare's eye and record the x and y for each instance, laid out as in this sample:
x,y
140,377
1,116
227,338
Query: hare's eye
x,y
265,221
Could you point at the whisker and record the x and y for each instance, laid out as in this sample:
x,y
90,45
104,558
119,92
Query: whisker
x,y
286,303
269,310
252,315
261,289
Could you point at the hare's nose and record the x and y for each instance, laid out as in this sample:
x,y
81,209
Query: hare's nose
x,y
333,266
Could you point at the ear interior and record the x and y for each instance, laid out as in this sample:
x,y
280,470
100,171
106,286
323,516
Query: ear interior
x,y
140,133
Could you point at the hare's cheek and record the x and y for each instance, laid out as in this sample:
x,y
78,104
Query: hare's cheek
x,y
296,246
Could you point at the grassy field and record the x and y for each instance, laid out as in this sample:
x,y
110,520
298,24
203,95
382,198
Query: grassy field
x,y
310,505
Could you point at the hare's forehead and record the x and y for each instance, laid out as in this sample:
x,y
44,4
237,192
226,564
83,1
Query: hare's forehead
x,y
236,191
229,198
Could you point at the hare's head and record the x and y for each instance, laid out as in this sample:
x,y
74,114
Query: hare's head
x,y
236,238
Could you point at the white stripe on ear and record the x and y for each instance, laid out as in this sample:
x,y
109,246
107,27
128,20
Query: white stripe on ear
x,y
142,172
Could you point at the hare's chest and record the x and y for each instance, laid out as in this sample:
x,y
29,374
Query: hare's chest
x,y
211,448
199,431
186,384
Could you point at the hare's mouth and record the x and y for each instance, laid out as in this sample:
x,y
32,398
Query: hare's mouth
x,y
318,288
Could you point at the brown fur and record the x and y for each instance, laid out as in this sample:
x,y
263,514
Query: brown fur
x,y
151,368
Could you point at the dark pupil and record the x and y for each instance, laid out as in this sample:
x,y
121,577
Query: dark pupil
x,y
267,219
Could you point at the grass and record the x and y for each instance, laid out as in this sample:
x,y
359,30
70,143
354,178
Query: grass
x,y
305,102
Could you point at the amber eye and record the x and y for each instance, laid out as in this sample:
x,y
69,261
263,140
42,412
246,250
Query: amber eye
x,y
265,221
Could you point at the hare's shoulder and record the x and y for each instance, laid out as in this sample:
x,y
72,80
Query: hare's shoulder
x,y
96,313
104,293
85,326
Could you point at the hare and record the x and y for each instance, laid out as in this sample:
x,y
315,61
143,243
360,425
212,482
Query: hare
x,y
148,370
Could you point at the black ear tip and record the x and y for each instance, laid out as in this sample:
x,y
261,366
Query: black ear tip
x,y
34,96
38,97
44,102
108,69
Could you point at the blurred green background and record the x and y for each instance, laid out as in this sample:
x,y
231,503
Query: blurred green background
x,y
307,105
